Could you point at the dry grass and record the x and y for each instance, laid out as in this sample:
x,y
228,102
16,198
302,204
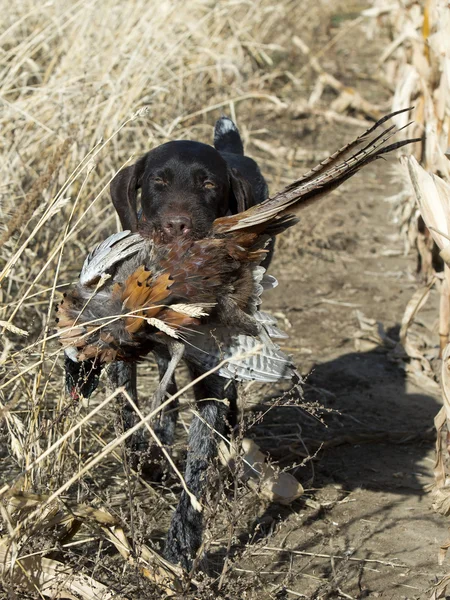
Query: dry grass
x,y
85,87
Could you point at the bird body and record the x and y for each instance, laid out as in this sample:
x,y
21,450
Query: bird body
x,y
136,291
204,292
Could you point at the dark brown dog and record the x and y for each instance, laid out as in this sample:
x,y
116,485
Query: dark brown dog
x,y
184,186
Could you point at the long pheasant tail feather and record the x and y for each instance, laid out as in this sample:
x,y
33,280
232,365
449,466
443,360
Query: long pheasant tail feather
x,y
315,184
340,154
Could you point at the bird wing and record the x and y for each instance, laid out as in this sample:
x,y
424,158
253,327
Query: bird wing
x,y
249,358
109,253
319,181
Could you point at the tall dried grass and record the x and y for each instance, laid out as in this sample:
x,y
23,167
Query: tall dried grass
x,y
84,87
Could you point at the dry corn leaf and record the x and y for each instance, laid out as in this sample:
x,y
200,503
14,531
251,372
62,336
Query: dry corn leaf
x,y
417,301
441,489
441,501
443,551
438,590
405,90
440,421
433,198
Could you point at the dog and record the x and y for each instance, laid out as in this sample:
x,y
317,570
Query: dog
x,y
184,186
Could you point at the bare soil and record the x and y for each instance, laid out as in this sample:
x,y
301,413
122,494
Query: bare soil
x,y
372,532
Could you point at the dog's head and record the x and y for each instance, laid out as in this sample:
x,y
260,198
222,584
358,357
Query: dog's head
x,y
184,187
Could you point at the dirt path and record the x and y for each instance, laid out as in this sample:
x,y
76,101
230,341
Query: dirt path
x,y
371,500
370,507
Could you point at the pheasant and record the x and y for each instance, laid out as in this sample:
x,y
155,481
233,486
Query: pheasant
x,y
136,292
198,299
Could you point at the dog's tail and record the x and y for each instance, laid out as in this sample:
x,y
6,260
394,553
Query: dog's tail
x,y
227,137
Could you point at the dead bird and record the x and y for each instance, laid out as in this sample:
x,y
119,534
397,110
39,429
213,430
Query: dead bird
x,y
155,290
199,298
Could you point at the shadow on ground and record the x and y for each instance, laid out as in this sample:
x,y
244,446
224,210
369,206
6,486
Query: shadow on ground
x,y
374,459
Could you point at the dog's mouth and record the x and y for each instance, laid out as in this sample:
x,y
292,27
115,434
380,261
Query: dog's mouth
x,y
166,235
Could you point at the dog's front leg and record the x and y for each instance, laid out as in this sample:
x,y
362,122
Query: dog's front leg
x,y
186,529
122,374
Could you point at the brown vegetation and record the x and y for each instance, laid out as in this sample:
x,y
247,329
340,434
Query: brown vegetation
x,y
84,87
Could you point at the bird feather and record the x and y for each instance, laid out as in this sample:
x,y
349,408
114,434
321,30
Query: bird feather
x,y
106,255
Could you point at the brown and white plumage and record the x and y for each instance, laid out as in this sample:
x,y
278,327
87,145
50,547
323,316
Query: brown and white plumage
x,y
319,181
204,292
156,294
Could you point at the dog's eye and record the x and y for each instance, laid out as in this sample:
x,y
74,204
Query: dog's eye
x,y
209,184
159,181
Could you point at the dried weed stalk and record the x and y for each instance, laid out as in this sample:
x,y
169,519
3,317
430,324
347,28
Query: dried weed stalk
x,y
417,65
84,88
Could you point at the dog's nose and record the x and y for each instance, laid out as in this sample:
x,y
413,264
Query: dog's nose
x,y
176,226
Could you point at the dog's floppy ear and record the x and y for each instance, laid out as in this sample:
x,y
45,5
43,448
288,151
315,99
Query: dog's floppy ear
x,y
241,192
124,188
